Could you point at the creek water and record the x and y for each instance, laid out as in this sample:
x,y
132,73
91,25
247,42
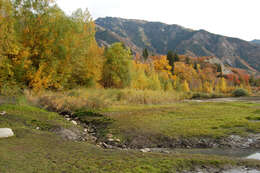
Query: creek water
x,y
236,153
239,153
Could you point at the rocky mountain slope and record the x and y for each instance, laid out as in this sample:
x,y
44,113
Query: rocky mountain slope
x,y
256,41
160,38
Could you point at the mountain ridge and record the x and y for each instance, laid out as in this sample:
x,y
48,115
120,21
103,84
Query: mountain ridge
x,y
159,38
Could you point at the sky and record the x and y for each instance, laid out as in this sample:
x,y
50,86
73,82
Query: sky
x,y
234,18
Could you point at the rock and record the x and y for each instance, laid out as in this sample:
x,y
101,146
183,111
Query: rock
x,y
145,150
85,130
68,134
106,146
111,140
37,128
166,151
90,130
6,132
67,116
74,122
93,138
109,135
118,140
68,119
3,113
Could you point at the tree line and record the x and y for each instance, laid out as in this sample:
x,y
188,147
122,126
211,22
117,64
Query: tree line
x,y
41,47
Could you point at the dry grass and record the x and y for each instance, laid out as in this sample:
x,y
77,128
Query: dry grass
x,y
95,99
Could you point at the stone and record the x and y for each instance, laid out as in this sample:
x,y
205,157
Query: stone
x,y
111,140
67,116
145,150
109,136
118,140
85,130
93,138
3,113
68,134
37,128
6,132
166,152
74,122
107,146
68,119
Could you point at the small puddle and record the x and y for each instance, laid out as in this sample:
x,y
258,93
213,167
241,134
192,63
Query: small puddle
x,y
241,171
254,156
239,153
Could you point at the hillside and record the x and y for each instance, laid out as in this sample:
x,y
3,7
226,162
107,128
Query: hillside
x,y
256,41
160,38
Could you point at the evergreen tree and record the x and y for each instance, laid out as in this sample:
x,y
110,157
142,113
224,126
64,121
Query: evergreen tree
x,y
170,58
176,57
219,68
145,53
187,60
195,66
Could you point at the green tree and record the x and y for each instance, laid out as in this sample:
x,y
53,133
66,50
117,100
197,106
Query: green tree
x,y
10,62
145,54
117,67
187,60
170,58
176,57
195,66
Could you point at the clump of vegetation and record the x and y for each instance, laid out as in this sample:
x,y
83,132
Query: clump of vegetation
x,y
68,102
240,92
93,99
130,96
199,95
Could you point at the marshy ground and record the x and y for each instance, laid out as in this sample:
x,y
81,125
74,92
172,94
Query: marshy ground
x,y
34,149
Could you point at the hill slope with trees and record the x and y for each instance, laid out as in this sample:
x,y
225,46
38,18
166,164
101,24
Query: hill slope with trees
x,y
160,38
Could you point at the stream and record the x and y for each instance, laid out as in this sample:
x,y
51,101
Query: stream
x,y
238,153
235,153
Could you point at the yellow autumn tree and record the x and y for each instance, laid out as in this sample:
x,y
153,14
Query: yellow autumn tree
x,y
185,86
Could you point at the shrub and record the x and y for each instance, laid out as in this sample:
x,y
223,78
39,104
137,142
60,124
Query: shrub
x,y
207,95
240,92
68,102
96,99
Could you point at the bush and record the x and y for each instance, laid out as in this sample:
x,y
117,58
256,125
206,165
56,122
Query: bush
x,y
240,92
206,95
68,102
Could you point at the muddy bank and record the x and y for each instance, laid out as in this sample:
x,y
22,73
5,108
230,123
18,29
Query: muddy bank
x,y
232,141
95,127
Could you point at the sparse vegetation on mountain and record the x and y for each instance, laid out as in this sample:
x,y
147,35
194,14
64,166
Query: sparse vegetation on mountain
x,y
162,37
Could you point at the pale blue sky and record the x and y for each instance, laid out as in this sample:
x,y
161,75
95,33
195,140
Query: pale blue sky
x,y
235,18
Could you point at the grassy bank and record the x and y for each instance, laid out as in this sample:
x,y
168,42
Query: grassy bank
x,y
157,123
32,150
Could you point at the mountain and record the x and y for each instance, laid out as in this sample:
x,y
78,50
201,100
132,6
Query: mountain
x,y
160,38
256,41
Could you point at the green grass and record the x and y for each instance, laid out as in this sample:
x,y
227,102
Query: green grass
x,y
41,151
184,120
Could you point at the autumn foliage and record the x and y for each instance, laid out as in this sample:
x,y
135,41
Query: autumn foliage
x,y
43,48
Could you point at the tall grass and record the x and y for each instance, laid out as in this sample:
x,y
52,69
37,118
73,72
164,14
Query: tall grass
x,y
96,99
